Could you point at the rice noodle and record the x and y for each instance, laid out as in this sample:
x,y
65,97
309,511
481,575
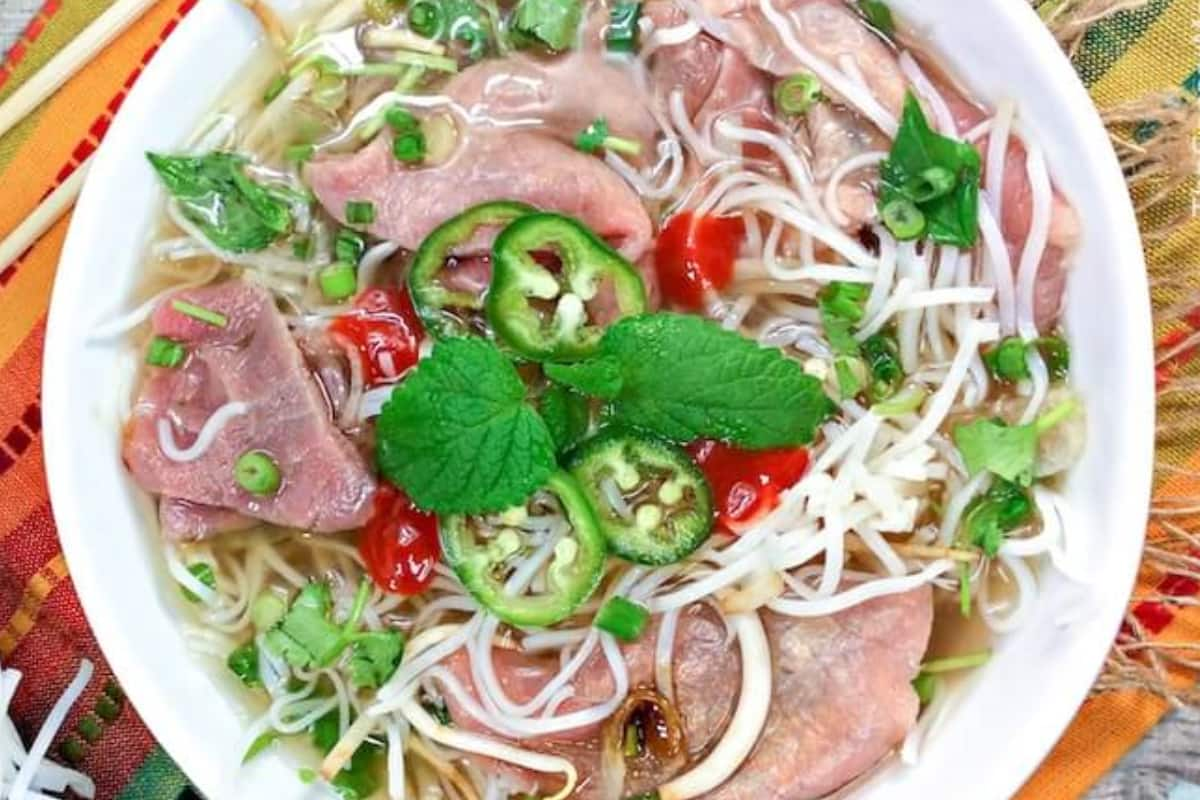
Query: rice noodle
x,y
664,653
848,167
861,593
1000,269
1035,245
997,157
933,98
204,439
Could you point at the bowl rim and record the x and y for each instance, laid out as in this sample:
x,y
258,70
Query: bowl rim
x,y
156,707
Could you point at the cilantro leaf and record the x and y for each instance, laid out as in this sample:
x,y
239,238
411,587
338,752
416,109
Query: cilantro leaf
x,y
952,218
243,662
842,307
1008,360
567,416
599,377
552,22
374,657
306,637
879,15
457,435
1009,451
591,139
1001,510
686,378
214,193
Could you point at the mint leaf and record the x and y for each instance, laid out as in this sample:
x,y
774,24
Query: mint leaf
x,y
599,377
230,209
457,435
952,218
686,378
566,415
1009,451
374,657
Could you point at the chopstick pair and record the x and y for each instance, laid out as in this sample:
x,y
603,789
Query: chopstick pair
x,y
81,50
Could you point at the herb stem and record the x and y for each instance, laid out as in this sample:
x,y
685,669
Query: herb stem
x,y
1060,413
955,663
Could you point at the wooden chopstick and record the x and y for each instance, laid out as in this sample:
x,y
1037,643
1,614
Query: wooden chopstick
x,y
44,216
69,60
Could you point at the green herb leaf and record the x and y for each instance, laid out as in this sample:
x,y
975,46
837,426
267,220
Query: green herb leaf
x,y
925,685
306,637
952,218
1057,355
458,436
1009,451
243,662
325,732
842,307
360,778
1001,510
554,23
850,373
374,657
882,354
261,743
599,377
203,572
1008,361
566,415
214,193
685,378
879,15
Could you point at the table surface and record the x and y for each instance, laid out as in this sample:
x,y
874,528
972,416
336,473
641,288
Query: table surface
x,y
1165,765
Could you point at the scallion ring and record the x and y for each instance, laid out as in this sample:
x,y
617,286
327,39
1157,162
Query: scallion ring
x,y
797,94
930,184
425,18
360,212
164,352
904,219
257,473
338,281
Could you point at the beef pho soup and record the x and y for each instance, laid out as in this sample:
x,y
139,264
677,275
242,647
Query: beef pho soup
x,y
569,399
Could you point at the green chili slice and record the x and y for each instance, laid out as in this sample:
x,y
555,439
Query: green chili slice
x,y
484,559
448,312
654,505
543,315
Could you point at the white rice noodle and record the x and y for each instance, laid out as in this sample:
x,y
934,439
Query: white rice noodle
x,y
204,439
880,548
736,313
371,404
267,262
1014,614
929,93
700,145
669,37
788,155
861,593
963,315
958,503
1039,236
997,157
670,153
936,319
857,96
1050,540
435,608
938,407
911,301
848,167
736,179
1000,269
1039,385
34,774
372,260
541,641
397,732
445,639
885,275
773,203
664,653
840,495
754,702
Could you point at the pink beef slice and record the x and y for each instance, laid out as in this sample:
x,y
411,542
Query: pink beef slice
x,y
842,697
517,165
561,96
326,486
706,676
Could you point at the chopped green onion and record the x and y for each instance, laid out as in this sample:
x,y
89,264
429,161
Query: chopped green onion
x,y
275,88
261,743
622,33
306,775
243,662
926,687
879,15
1060,413
623,618
299,153
633,741
268,608
904,219
1008,361
203,572
955,663
257,473
906,401
360,212
338,281
207,315
165,352
797,94
348,245
425,18
302,248
932,183
964,588
409,148
401,120
1057,355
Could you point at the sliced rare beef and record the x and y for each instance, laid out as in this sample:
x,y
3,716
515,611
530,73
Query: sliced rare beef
x,y
560,97
706,674
820,733
255,362
518,165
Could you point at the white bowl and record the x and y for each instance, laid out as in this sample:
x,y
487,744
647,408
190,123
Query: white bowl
x,y
1007,717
